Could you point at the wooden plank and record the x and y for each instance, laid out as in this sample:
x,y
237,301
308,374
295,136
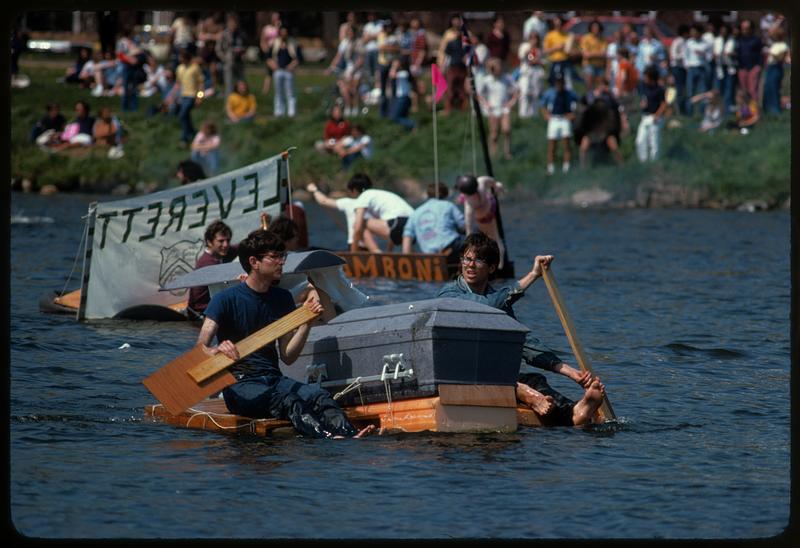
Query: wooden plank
x,y
470,418
426,267
485,395
211,366
583,361
178,389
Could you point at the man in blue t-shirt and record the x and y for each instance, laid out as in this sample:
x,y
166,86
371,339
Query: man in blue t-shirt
x,y
558,108
239,311
437,225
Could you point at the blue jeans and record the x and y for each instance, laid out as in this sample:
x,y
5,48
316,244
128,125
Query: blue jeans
x,y
772,88
679,73
130,93
727,90
209,161
185,116
348,160
285,102
399,114
311,409
695,83
384,80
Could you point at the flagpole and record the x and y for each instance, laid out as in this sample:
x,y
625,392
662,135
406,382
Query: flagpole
x,y
435,146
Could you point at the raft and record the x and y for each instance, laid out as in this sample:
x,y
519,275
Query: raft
x,y
457,408
68,303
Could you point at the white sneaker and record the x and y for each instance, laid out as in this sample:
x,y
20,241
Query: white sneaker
x,y
97,91
565,167
551,169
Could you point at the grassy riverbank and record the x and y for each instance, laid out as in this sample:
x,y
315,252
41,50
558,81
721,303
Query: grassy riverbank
x,y
721,170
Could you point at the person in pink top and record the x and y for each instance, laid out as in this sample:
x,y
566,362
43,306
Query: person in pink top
x,y
205,148
480,206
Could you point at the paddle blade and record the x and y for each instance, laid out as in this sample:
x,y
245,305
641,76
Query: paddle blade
x,y
176,390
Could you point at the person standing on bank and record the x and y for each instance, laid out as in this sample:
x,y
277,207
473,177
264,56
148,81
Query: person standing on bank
x,y
261,390
479,259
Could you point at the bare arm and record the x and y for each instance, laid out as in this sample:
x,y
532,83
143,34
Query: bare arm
x,y
358,228
407,241
292,343
321,198
207,333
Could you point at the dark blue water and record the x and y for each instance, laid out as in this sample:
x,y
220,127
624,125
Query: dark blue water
x,y
684,314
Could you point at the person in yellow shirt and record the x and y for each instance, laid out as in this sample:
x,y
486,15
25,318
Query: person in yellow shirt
x,y
593,49
556,50
241,104
189,77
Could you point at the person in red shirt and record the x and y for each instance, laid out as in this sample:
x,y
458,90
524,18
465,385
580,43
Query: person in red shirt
x,y
218,250
335,128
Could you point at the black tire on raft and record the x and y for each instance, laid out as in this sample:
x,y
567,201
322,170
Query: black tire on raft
x,y
47,304
152,312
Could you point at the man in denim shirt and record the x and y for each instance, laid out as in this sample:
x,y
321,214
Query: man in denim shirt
x,y
479,259
437,225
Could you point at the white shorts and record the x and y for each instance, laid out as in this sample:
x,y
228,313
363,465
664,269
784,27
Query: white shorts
x,y
498,112
558,127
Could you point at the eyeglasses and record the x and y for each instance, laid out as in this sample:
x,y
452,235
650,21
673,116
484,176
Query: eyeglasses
x,y
472,260
275,257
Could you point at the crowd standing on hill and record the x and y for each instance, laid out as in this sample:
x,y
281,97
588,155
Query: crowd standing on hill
x,y
587,86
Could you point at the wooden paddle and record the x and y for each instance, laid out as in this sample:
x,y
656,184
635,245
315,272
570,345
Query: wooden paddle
x,y
195,375
605,410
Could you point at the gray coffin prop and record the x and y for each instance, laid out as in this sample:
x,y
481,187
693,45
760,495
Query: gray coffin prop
x,y
413,347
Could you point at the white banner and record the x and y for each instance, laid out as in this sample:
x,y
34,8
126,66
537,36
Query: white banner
x,y
139,244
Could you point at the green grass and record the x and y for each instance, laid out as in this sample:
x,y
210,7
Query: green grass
x,y
728,165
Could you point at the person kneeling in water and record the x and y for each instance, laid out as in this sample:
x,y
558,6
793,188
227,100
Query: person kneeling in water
x,y
261,390
480,256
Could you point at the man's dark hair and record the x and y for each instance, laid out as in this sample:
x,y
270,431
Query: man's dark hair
x,y
284,227
215,228
192,170
443,192
483,247
359,182
257,244
651,73
467,184
86,106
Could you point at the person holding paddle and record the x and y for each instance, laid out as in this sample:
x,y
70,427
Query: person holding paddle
x,y
261,390
480,256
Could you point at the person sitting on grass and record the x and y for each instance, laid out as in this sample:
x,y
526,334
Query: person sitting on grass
x,y
241,104
107,132
746,113
712,115
205,148
50,126
479,196
77,133
479,260
354,146
336,128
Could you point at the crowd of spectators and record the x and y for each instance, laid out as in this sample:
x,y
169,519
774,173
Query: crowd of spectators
x,y
587,87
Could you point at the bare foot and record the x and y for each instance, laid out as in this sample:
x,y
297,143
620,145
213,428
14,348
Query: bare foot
x,y
584,410
365,431
541,404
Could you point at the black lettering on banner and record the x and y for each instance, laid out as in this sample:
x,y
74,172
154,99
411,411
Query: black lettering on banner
x,y
274,199
202,209
173,215
130,213
106,218
253,191
223,213
153,221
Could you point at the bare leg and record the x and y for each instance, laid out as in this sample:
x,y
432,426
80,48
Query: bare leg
x,y
505,126
584,410
584,150
541,404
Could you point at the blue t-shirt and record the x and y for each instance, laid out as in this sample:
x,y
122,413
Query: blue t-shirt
x,y
559,103
435,225
239,312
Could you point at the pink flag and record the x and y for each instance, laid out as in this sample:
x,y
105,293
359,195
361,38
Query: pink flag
x,y
439,83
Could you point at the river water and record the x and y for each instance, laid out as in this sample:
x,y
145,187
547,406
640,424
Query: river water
x,y
683,314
